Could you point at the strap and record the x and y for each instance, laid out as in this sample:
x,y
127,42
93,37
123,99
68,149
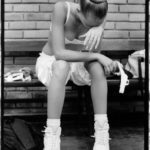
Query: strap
x,y
124,78
68,11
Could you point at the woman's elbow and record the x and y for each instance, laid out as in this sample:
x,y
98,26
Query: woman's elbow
x,y
57,55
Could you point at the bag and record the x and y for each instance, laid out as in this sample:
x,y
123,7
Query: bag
x,y
132,64
20,135
10,140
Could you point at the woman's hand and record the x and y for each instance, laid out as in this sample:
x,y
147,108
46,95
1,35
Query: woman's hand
x,y
109,65
92,37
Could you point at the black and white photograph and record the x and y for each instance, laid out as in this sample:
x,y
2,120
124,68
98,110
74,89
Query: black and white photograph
x,y
75,75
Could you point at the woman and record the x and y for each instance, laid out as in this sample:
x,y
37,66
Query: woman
x,y
56,65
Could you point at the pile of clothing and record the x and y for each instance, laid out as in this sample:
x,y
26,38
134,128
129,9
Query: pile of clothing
x,y
23,74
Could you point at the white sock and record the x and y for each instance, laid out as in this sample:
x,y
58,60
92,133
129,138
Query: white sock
x,y
101,118
54,123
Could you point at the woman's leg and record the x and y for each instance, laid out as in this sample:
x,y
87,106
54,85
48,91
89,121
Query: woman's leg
x,y
99,98
56,94
56,89
98,87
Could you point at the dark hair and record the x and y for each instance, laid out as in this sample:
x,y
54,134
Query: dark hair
x,y
98,7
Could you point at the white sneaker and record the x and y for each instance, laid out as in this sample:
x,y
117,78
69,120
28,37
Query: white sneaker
x,y
52,138
101,136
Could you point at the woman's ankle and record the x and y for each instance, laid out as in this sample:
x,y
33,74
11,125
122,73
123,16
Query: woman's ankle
x,y
53,123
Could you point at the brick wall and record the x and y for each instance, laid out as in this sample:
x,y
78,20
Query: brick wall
x,y
15,105
30,19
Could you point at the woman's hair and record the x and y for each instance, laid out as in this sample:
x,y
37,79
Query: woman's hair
x,y
97,7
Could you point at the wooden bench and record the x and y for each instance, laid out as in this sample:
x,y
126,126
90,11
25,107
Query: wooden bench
x,y
24,50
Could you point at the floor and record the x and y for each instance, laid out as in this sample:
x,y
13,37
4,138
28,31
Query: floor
x,y
122,138
129,136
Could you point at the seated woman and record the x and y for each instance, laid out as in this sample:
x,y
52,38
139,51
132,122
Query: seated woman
x,y
56,65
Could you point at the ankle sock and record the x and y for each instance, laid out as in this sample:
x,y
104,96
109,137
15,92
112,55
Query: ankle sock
x,y
101,118
53,123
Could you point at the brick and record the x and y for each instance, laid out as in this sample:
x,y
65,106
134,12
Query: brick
x,y
117,1
9,105
41,94
9,89
54,1
18,95
8,7
115,34
39,110
132,8
137,44
24,111
8,61
37,88
46,7
25,61
136,1
36,34
43,25
117,17
114,44
143,26
122,44
35,1
13,1
136,17
37,105
28,105
113,8
137,34
6,25
26,8
127,25
13,16
16,89
37,16
22,25
13,34
109,25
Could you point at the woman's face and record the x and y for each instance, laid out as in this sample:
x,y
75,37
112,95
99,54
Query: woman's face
x,y
90,20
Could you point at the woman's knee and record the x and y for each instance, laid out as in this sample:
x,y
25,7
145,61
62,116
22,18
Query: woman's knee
x,y
60,69
96,70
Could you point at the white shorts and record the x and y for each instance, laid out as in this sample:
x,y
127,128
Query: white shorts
x,y
78,73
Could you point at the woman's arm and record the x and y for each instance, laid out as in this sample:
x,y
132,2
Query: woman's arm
x,y
58,39
58,43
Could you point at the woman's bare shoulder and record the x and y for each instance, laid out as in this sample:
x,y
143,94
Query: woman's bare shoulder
x,y
59,11
60,7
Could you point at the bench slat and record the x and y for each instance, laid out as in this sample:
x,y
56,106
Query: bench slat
x,y
36,83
